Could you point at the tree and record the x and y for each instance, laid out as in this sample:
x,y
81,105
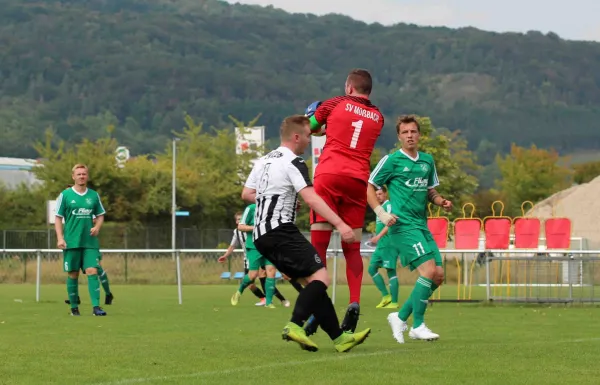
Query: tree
x,y
209,175
585,172
530,174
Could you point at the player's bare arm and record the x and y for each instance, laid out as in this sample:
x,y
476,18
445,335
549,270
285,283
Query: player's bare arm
x,y
249,194
60,237
316,203
228,252
385,217
245,228
434,197
97,225
381,234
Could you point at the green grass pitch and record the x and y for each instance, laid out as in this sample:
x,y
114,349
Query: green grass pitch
x,y
147,338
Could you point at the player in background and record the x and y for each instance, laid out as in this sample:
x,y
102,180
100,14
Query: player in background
x,y
255,261
353,125
382,257
274,184
411,178
78,238
239,240
109,297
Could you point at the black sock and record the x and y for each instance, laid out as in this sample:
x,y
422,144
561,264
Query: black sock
x,y
325,313
307,301
263,280
279,295
296,285
257,292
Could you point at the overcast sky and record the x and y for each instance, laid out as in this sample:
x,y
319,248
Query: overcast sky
x,y
573,19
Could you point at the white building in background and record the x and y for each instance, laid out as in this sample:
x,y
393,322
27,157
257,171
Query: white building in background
x,y
14,171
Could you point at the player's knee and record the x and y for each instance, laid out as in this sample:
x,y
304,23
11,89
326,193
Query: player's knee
x,y
439,276
391,273
271,271
262,273
428,269
252,287
73,274
320,275
252,274
372,270
91,271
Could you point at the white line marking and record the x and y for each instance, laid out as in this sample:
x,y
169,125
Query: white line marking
x,y
331,358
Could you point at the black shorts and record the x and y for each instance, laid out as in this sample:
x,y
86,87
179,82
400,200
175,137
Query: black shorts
x,y
290,252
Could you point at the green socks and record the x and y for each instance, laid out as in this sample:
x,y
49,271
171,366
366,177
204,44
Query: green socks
x,y
393,278
269,290
104,280
420,297
378,280
94,289
73,291
245,283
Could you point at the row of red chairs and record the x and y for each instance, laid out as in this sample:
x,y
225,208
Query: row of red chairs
x,y
497,231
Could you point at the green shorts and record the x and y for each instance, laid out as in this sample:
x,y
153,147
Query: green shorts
x,y
384,256
76,259
414,247
256,260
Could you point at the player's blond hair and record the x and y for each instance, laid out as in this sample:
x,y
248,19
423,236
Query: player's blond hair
x,y
78,165
293,124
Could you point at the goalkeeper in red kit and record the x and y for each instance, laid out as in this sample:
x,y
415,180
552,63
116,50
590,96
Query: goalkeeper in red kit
x,y
353,125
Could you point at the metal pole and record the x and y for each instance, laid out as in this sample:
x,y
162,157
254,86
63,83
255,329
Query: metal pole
x,y
173,200
38,276
487,275
178,276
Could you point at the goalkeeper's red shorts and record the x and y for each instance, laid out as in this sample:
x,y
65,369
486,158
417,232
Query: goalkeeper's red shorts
x,y
346,196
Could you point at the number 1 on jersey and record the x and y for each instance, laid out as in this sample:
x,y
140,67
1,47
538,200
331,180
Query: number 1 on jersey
x,y
357,127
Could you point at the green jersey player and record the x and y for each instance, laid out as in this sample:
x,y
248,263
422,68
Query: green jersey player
x,y
79,238
255,261
384,257
411,178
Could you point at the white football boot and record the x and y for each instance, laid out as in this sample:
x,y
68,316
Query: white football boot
x,y
423,333
398,327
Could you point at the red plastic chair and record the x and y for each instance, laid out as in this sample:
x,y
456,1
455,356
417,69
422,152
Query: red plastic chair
x,y
558,233
438,226
497,229
527,230
467,230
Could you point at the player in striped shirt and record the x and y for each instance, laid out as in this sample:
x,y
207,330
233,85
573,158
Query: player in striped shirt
x,y
274,184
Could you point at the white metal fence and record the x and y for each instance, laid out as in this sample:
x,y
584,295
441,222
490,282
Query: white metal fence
x,y
506,275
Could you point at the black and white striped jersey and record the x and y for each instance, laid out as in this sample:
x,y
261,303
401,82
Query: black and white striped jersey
x,y
239,239
277,178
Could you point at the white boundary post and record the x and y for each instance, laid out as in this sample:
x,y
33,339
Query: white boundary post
x,y
38,276
178,276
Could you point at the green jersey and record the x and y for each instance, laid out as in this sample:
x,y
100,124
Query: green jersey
x,y
387,206
78,210
408,181
248,219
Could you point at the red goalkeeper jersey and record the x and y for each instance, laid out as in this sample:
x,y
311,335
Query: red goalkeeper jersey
x,y
353,126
